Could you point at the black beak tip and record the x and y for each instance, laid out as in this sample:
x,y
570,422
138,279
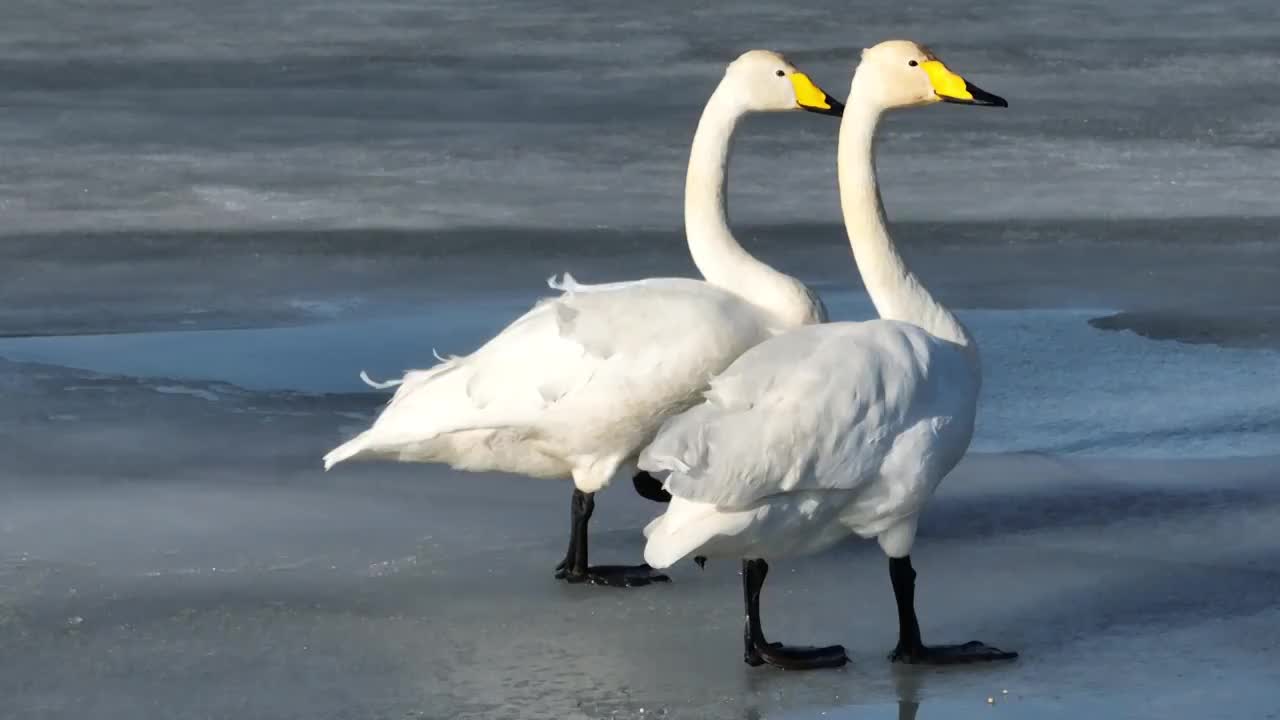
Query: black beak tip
x,y
834,107
982,97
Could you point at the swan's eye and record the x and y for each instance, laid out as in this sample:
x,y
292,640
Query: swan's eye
x,y
780,73
912,63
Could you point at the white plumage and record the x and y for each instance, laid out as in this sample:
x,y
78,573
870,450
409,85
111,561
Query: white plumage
x,y
580,383
836,429
846,424
561,391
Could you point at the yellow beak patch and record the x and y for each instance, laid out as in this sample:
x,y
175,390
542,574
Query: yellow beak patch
x,y
809,95
946,83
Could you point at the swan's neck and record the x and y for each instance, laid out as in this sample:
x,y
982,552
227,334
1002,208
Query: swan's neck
x,y
896,291
719,257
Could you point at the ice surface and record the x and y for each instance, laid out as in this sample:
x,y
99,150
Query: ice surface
x,y
170,556
215,215
172,549
319,114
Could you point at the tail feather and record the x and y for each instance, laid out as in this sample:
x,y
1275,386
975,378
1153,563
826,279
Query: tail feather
x,y
379,385
688,527
421,409
346,450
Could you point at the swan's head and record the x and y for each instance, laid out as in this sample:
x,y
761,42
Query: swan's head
x,y
901,73
763,81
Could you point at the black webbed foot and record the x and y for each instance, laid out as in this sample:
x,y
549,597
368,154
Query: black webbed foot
x,y
615,576
796,658
970,652
574,568
758,651
910,649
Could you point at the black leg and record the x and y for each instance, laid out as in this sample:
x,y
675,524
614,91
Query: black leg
x,y
758,651
576,506
574,567
752,581
562,567
650,488
910,649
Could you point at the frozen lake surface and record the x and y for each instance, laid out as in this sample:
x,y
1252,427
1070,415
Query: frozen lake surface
x,y
216,215
171,553
172,549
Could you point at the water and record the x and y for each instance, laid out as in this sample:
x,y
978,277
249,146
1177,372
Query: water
x,y
215,216
1053,383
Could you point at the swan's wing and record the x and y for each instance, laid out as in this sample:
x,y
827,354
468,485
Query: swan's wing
x,y
819,408
598,351
570,285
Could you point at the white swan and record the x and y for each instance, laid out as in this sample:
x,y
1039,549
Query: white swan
x,y
837,429
579,384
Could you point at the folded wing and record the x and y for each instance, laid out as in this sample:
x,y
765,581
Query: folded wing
x,y
818,408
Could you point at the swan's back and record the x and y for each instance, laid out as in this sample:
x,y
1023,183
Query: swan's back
x,y
592,372
830,407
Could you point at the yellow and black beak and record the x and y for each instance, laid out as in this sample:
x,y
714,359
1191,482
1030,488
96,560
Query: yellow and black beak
x,y
812,98
954,89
